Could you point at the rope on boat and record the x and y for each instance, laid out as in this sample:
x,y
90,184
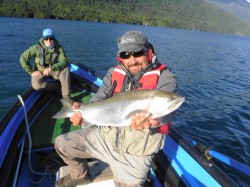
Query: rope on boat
x,y
30,147
18,165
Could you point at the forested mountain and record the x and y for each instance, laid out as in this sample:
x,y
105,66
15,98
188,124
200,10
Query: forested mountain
x,y
240,8
185,14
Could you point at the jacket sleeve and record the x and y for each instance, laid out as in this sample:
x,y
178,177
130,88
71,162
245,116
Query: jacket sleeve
x,y
26,57
61,61
103,91
167,82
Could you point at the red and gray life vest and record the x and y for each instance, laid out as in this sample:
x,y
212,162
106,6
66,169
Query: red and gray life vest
x,y
148,80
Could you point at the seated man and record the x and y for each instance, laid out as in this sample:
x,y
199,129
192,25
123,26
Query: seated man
x,y
50,61
128,150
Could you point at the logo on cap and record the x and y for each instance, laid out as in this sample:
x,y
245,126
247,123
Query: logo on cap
x,y
125,40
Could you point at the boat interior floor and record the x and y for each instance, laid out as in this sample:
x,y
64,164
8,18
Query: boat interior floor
x,y
44,129
41,162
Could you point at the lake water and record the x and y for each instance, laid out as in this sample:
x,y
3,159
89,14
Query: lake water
x,y
213,72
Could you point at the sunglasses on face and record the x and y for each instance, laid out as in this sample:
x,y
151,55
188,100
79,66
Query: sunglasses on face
x,y
49,38
126,55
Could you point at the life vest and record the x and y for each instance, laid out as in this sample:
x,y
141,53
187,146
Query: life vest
x,y
148,80
53,56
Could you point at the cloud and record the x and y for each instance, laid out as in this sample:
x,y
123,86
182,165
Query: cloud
x,y
248,1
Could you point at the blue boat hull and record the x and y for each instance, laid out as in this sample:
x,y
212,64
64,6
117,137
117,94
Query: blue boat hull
x,y
178,164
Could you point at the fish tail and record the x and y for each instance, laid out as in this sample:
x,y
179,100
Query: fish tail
x,y
66,104
61,114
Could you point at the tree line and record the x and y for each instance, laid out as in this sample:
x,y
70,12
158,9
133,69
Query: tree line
x,y
184,14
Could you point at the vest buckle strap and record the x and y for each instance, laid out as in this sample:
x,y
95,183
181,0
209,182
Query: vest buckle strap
x,y
128,86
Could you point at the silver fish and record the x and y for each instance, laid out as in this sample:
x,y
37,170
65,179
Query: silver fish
x,y
118,110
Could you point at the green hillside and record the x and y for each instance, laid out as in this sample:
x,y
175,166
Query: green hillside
x,y
185,14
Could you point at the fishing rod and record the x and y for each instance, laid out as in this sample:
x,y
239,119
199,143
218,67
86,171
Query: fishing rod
x,y
209,153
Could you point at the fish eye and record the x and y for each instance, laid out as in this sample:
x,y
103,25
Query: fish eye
x,y
171,98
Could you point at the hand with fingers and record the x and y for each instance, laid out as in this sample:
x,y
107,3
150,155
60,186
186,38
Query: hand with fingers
x,y
76,118
76,105
47,71
143,121
36,73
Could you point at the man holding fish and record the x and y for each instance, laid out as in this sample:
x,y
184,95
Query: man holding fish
x,y
131,126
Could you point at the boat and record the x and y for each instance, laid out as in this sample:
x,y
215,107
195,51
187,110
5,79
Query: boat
x,y
28,158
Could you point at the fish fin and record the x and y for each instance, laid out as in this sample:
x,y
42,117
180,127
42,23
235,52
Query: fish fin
x,y
146,119
67,108
66,103
61,114
86,124
130,114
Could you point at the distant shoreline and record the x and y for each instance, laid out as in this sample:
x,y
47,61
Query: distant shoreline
x,y
189,14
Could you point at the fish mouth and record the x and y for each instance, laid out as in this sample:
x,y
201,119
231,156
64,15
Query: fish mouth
x,y
176,104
